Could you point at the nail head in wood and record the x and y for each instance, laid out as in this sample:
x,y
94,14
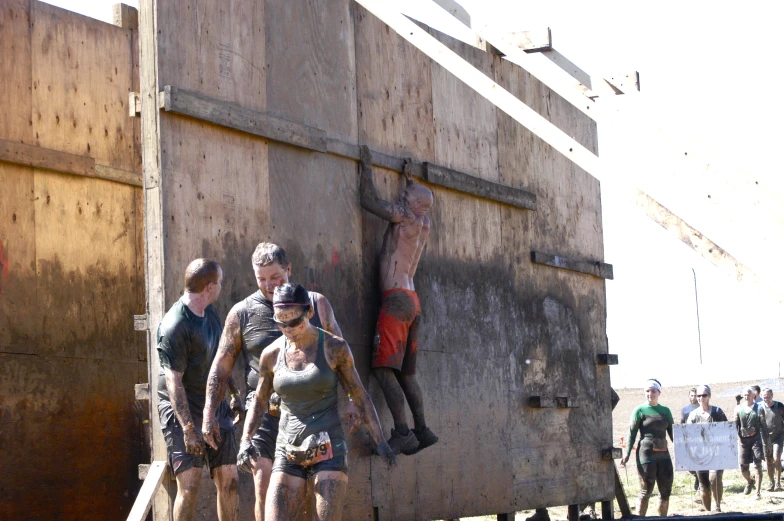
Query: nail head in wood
x,y
606,359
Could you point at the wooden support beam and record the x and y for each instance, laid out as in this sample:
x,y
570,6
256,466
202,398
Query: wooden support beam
x,y
595,268
509,516
231,115
607,510
533,41
155,475
606,359
620,496
125,16
573,513
441,176
63,162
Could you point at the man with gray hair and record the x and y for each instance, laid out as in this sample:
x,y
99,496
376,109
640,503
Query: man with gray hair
x,y
752,440
771,415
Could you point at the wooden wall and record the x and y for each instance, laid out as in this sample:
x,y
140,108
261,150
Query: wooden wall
x,y
71,266
498,328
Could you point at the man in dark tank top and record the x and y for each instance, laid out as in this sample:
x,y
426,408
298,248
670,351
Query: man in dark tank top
x,y
249,329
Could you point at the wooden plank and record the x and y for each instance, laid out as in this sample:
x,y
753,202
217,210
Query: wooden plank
x,y
125,16
394,93
231,115
620,496
532,41
479,187
312,80
606,359
595,268
70,72
158,470
15,74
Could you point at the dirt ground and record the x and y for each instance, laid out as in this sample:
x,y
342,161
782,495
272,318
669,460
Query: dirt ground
x,y
684,500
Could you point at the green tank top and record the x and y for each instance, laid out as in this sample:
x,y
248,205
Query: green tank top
x,y
309,400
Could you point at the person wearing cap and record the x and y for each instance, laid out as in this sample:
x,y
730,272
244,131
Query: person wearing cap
x,y
654,465
772,419
752,440
250,327
711,482
188,339
304,366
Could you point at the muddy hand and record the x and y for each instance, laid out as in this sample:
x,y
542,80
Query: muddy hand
x,y
194,444
407,169
211,433
237,409
624,460
365,158
352,417
385,451
246,456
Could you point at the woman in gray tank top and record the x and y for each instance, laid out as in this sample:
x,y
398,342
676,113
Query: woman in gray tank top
x,y
304,367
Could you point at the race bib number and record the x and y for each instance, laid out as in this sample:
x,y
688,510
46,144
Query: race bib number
x,y
659,445
748,432
314,449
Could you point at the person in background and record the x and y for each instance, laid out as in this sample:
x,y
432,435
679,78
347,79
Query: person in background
x,y
757,393
751,440
710,481
654,465
772,419
685,411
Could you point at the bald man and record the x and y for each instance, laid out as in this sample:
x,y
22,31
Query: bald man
x,y
395,347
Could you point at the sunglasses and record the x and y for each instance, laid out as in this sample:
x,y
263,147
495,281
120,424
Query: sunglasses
x,y
702,395
292,323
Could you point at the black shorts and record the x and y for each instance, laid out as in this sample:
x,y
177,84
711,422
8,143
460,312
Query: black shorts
x,y
750,450
659,473
338,463
267,433
179,460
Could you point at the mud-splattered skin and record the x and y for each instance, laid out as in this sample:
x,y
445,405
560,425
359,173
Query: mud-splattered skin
x,y
286,492
409,226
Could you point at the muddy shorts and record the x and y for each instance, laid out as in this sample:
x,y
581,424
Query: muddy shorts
x,y
750,450
179,460
264,439
397,330
659,473
776,445
281,464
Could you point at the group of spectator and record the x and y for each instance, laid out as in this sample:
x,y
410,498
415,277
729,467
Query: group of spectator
x,y
759,421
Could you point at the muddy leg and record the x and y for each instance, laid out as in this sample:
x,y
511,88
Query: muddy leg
x,y
413,395
227,483
664,505
329,488
188,485
285,497
396,399
705,489
717,487
262,468
642,506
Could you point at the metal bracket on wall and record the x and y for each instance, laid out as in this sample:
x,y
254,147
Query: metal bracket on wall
x,y
612,453
540,402
134,104
606,359
141,391
140,323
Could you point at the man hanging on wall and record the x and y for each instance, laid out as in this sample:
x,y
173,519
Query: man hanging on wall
x,y
249,329
188,339
395,347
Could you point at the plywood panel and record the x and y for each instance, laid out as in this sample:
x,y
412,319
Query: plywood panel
x,y
15,83
85,233
75,419
217,203
19,331
81,79
214,48
310,65
466,123
393,91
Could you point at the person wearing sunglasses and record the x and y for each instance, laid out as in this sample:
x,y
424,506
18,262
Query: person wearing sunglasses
x,y
772,419
304,367
654,423
250,327
752,440
710,481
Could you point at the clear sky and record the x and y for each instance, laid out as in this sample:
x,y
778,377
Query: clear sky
x,y
710,80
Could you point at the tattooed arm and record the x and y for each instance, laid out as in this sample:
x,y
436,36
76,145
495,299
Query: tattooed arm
x,y
342,362
194,444
220,374
368,196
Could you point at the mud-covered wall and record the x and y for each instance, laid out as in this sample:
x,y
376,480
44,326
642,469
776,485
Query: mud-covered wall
x,y
497,328
71,268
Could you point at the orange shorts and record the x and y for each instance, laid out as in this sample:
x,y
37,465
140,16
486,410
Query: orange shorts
x,y
397,330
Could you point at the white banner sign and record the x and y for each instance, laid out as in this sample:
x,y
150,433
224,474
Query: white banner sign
x,y
705,446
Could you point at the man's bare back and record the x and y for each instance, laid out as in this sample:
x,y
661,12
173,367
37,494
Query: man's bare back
x,y
408,230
